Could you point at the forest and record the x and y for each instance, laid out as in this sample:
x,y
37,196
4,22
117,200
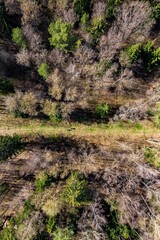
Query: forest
x,y
79,119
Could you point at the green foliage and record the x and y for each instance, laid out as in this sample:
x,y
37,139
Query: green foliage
x,y
62,36
6,86
10,146
97,28
152,157
50,225
111,7
18,37
116,231
150,57
63,234
102,110
43,70
156,11
134,52
82,7
85,21
76,192
42,181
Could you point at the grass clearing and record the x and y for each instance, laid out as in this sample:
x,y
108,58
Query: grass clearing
x,y
103,134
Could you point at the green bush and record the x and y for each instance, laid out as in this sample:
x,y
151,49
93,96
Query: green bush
x,y
97,28
111,7
6,86
134,52
18,37
62,36
10,146
50,224
82,7
63,234
85,21
102,110
76,192
146,52
152,157
156,11
42,181
116,231
43,70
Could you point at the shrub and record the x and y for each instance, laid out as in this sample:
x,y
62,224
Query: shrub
x,y
43,180
50,224
82,7
6,86
28,104
62,36
52,207
150,57
102,67
156,11
134,52
152,157
43,70
18,37
111,7
102,110
10,146
76,192
52,110
63,234
97,28
117,231
85,21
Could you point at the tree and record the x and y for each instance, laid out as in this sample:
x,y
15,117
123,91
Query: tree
x,y
62,36
18,37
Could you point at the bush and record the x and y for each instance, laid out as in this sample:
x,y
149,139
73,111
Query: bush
x,y
6,86
62,36
134,52
43,70
102,110
63,234
150,57
82,7
18,37
152,157
111,7
42,181
76,192
97,28
156,12
117,231
10,146
52,207
52,110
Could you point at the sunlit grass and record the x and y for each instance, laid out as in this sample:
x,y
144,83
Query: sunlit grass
x,y
96,133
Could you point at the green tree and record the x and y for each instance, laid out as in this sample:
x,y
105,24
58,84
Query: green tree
x,y
63,234
18,37
43,70
102,110
76,192
62,36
